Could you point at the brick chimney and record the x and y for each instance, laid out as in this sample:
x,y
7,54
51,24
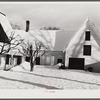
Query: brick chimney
x,y
27,25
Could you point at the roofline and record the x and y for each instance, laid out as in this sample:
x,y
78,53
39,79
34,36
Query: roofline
x,y
87,19
94,26
75,33
2,13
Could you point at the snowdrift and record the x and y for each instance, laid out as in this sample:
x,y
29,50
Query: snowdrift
x,y
44,77
25,66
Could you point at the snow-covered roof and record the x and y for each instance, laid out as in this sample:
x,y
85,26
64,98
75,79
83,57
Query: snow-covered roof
x,y
88,24
5,28
62,38
55,40
5,24
47,37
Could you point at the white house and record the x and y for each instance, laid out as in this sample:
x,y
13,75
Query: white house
x,y
53,55
5,30
83,50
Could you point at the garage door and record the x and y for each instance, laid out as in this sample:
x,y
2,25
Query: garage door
x,y
76,63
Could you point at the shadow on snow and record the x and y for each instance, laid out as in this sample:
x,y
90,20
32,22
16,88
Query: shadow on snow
x,y
27,82
63,79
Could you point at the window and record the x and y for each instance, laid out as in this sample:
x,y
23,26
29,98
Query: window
x,y
87,35
59,61
19,59
87,50
7,59
27,59
37,60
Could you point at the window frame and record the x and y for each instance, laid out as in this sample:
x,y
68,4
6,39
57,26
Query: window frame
x,y
87,35
87,50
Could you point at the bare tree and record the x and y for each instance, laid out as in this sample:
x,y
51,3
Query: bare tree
x,y
50,28
15,26
14,41
32,51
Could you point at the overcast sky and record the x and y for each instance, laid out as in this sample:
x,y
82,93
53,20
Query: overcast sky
x,y
68,16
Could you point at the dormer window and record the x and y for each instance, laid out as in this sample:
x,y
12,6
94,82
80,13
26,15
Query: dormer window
x,y
87,35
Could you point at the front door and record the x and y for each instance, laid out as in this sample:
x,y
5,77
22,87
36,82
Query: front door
x,y
76,63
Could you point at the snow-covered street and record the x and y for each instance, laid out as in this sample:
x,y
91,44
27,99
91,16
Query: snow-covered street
x,y
48,78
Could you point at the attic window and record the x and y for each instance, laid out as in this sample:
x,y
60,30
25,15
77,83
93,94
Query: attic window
x,y
87,50
87,35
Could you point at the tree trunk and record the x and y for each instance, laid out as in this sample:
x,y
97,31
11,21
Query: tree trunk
x,y
31,64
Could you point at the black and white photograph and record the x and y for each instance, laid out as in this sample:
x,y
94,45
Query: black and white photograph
x,y
50,46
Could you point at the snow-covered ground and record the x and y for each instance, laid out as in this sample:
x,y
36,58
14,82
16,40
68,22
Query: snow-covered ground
x,y
48,78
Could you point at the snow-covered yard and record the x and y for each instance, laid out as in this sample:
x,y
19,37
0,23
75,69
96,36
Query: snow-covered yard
x,y
48,78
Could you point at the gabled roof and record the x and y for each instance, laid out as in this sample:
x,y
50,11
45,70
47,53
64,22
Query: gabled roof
x,y
47,37
55,40
87,25
62,38
5,28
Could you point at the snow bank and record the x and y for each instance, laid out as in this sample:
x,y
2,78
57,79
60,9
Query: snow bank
x,y
17,68
25,66
46,78
53,67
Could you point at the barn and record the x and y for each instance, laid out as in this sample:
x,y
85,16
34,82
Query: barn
x,y
83,50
